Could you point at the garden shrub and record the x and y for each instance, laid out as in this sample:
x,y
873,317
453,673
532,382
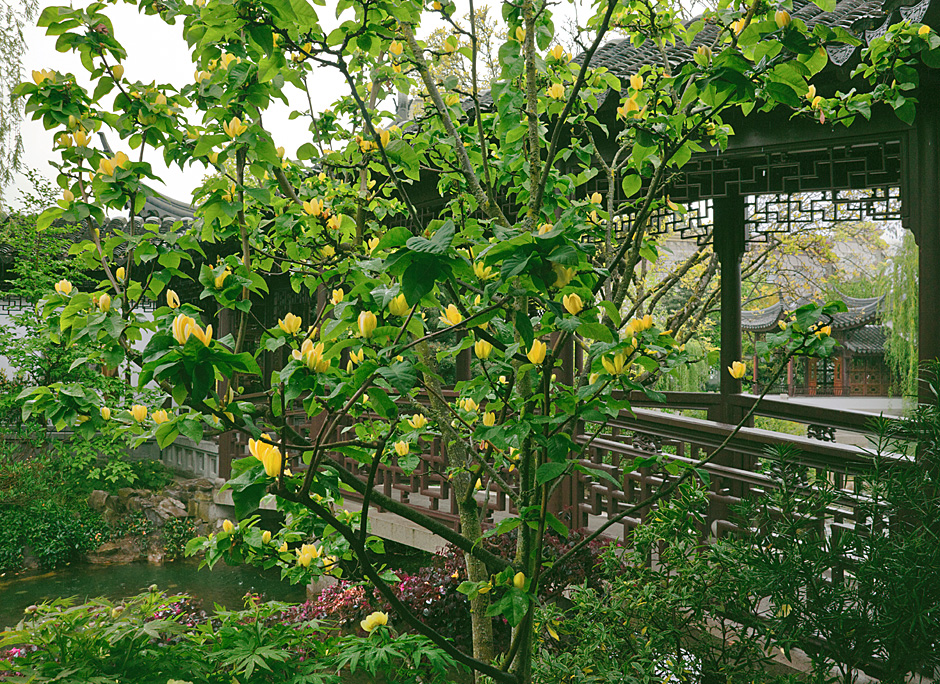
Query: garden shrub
x,y
56,535
154,637
176,534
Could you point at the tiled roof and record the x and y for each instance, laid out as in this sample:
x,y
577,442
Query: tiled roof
x,y
869,339
861,312
865,19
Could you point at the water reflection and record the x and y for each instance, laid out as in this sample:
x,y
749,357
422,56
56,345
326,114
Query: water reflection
x,y
224,585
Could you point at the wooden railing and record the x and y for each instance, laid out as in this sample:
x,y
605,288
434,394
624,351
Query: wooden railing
x,y
586,501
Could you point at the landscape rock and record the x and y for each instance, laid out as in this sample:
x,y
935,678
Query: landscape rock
x,y
97,500
124,550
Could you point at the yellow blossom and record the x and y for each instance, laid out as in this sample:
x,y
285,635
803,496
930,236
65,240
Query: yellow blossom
x,y
139,413
616,364
282,548
117,71
782,17
520,34
106,167
234,128
43,75
923,30
636,82
172,299
451,315
104,302
65,140
384,136
811,93
489,419
417,421
556,91
64,288
120,273
545,228
105,413
396,48
596,198
482,272
313,207
228,525
558,52
337,296
629,109
220,279
519,580
402,448
737,370
468,405
398,306
816,102
703,55
81,137
289,324
267,453
563,275
266,536
537,351
572,303
334,223
312,356
160,416
371,244
377,618
482,349
825,331
367,323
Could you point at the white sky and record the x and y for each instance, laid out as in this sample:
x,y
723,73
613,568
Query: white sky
x,y
157,52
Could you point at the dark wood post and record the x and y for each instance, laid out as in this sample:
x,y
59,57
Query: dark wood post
x,y
729,246
925,224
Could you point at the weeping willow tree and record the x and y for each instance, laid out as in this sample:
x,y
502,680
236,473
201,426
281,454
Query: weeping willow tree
x,y
13,16
902,314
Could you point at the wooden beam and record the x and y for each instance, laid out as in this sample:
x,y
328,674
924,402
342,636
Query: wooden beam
x,y
729,240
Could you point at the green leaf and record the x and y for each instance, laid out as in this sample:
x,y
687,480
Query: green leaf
x,y
549,471
596,331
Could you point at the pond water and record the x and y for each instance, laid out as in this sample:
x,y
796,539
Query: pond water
x,y
224,585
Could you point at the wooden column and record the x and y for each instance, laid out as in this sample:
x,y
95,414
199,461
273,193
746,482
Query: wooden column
x,y
925,224
729,246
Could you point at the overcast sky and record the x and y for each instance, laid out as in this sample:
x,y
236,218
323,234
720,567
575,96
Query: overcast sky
x,y
157,52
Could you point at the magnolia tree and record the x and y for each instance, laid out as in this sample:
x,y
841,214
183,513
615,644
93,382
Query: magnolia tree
x,y
517,263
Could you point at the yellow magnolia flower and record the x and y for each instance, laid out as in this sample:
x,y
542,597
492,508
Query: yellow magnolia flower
x,y
337,296
266,536
172,299
268,454
703,55
105,413
398,306
334,223
139,413
782,17
396,48
384,136
367,324
213,157
377,618
468,405
313,207
417,421
81,138
371,244
104,302
117,71
572,303
811,93
228,525
67,197
615,365
182,328
636,82
220,279
596,198
160,416
558,52
43,75
282,548
738,26
816,102
64,288
519,580
923,30
520,34
120,273
402,448
556,91
65,140
106,167
451,315
563,275
234,128
160,99
545,228
737,370
312,356
482,272
482,349
489,419
537,351
824,331
289,324
629,109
